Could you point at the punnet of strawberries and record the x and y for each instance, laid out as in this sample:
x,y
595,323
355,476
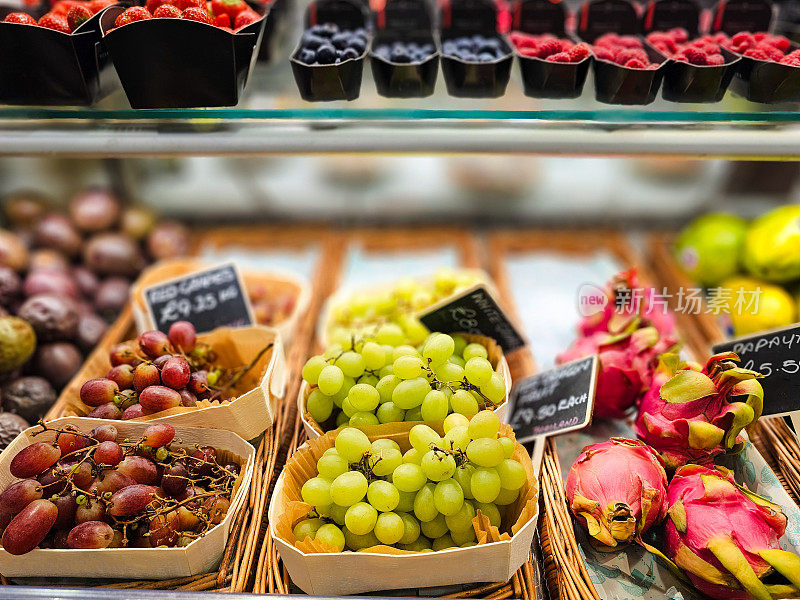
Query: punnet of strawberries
x,y
65,16
625,50
230,15
676,44
548,47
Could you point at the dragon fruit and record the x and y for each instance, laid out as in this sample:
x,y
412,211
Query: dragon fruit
x,y
693,415
617,490
725,538
627,362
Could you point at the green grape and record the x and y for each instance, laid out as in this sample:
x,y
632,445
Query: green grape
x,y
457,360
351,364
456,439
389,528
491,512
389,413
319,406
360,518
313,368
307,528
342,419
406,503
404,350
421,544
464,403
316,491
384,444
473,350
495,388
363,397
383,495
408,477
508,446
330,466
423,438
485,452
437,465
374,356
478,370
448,497
415,330
455,420
463,537
390,334
413,456
449,372
512,474
424,509
435,406
349,488
368,379
506,497
443,543
332,451
462,519
331,535
337,513
348,408
332,351
359,542
463,476
386,371
323,510
351,444
330,380
434,528
363,419
386,386
385,461
485,484
410,393
413,414
408,367
438,348
411,529
459,343
484,425
339,397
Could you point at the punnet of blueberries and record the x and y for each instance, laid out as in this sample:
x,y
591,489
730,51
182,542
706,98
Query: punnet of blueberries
x,y
404,52
475,48
326,44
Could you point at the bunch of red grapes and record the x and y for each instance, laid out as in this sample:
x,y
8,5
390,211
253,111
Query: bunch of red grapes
x,y
156,372
96,490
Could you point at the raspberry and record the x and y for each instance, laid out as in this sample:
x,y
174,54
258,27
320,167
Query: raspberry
x,y
793,54
629,41
167,11
21,18
760,36
720,38
771,51
693,56
528,51
756,53
548,47
134,13
55,22
678,34
623,55
565,45
561,57
663,42
196,14
607,41
792,61
779,42
634,64
715,59
603,53
578,52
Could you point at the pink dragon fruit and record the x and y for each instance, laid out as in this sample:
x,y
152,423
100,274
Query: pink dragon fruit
x,y
725,538
693,415
627,362
617,490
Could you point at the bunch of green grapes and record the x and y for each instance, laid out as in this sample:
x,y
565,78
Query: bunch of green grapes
x,y
378,379
366,494
362,312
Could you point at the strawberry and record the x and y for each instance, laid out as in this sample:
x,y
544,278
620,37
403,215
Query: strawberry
x,y
152,6
77,15
167,11
222,21
196,14
21,18
62,7
55,22
228,7
184,4
95,6
245,18
129,15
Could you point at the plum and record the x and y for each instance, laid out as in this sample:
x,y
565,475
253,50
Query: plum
x,y
53,318
113,254
29,397
17,343
58,362
56,232
94,209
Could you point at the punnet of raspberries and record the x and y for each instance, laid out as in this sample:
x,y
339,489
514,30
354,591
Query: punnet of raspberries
x,y
625,50
676,44
549,48
761,46
66,16
231,15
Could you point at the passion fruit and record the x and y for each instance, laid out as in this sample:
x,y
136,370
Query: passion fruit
x,y
94,209
58,362
11,426
13,252
113,254
29,397
53,318
57,232
17,343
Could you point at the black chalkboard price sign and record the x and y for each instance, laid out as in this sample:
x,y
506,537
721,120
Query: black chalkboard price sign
x,y
555,401
208,299
473,311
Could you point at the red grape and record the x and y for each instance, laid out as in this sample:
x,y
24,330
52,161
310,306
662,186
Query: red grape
x,y
158,435
154,343
70,442
188,520
190,492
183,336
91,534
175,480
106,411
53,481
18,495
33,460
60,539
164,529
108,454
29,527
104,433
158,397
159,362
67,507
203,460
216,507
198,384
97,392
122,375
145,375
176,372
233,467
130,500
91,510
133,412
112,481
187,398
142,469
123,354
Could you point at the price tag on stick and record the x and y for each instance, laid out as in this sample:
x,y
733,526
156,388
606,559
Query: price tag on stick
x,y
555,401
208,299
776,355
473,311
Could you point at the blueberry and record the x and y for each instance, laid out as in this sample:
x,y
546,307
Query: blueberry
x,y
401,56
326,54
307,56
360,32
468,57
312,41
359,45
349,53
325,30
427,49
340,40
486,57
